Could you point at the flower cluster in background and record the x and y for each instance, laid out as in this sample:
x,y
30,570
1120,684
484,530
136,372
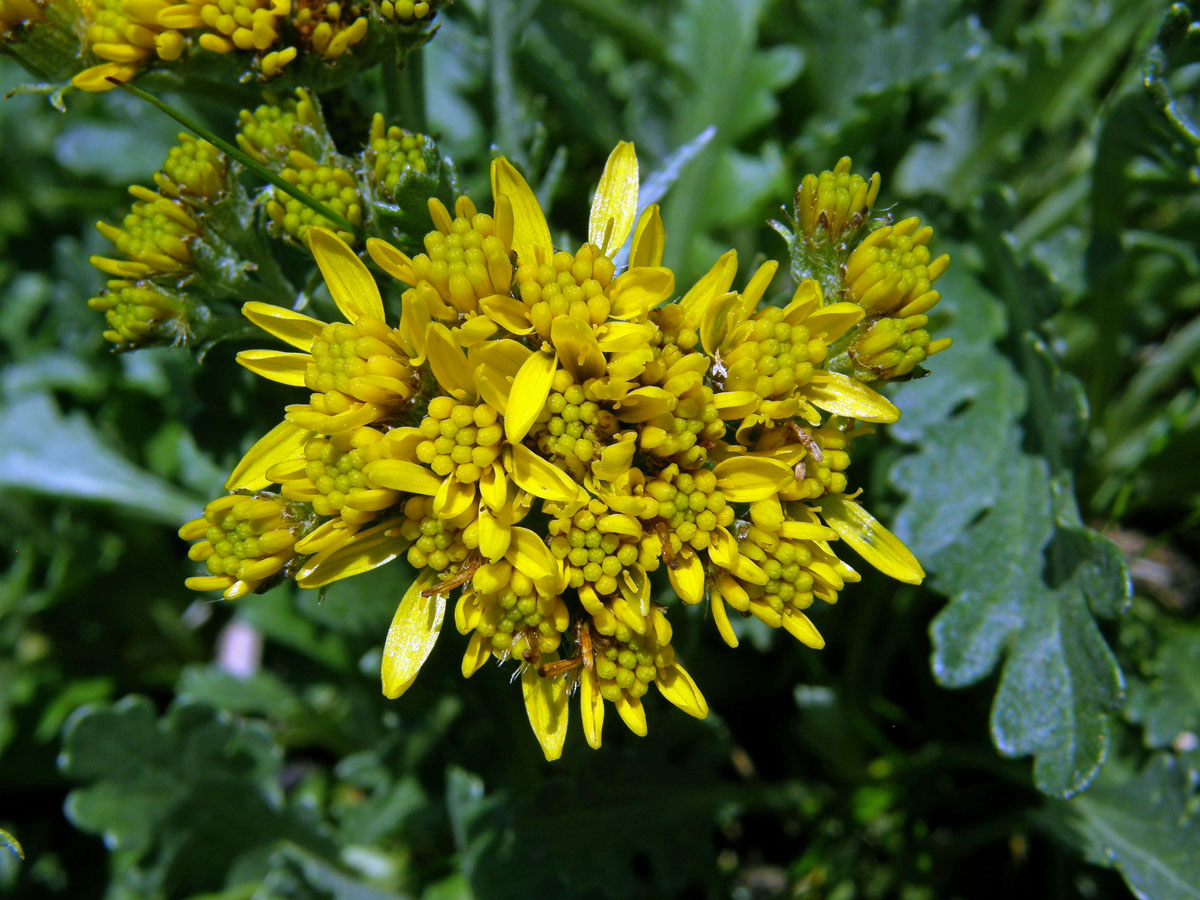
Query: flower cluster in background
x,y
553,441
194,244
93,41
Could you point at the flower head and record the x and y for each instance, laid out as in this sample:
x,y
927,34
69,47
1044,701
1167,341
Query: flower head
x,y
547,438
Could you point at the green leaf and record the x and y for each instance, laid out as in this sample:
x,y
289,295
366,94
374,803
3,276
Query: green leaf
x,y
1146,828
11,843
997,528
733,85
44,451
1165,701
190,796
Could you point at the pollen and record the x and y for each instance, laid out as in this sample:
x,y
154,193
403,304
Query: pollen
x,y
391,153
572,428
627,663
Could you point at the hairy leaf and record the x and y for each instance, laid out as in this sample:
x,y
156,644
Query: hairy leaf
x,y
996,526
45,451
1146,828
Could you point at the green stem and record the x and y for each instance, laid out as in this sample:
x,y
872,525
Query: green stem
x,y
253,165
404,90
503,93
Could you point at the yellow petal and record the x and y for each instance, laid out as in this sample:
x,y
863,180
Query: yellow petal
x,y
645,403
529,554
716,321
615,460
844,396
478,651
493,488
546,705
723,551
349,282
392,261
453,499
401,475
676,685
531,235
591,707
494,537
507,312
721,617
748,478
615,523
577,348
615,200
714,283
632,714
449,363
541,478
830,322
275,365
366,551
638,291
284,441
871,540
757,287
529,391
414,631
688,578
797,624
649,239
735,404
291,327
474,330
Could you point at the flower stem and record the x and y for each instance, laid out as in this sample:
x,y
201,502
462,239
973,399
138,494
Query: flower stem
x,y
404,89
253,165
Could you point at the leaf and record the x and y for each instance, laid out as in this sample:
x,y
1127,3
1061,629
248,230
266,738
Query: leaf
x,y
997,528
733,84
44,451
190,795
1146,828
1165,701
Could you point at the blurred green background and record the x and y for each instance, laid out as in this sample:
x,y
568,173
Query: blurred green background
x,y
1020,725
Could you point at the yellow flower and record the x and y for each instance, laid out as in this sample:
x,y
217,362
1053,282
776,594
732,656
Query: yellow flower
x,y
193,168
619,666
465,266
18,12
139,314
245,541
156,237
541,435
357,371
590,322
833,204
127,34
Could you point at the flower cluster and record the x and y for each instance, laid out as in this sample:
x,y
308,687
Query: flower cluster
x,y
118,39
555,440
196,229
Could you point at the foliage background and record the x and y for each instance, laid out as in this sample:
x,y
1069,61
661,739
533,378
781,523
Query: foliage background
x,y
1019,724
